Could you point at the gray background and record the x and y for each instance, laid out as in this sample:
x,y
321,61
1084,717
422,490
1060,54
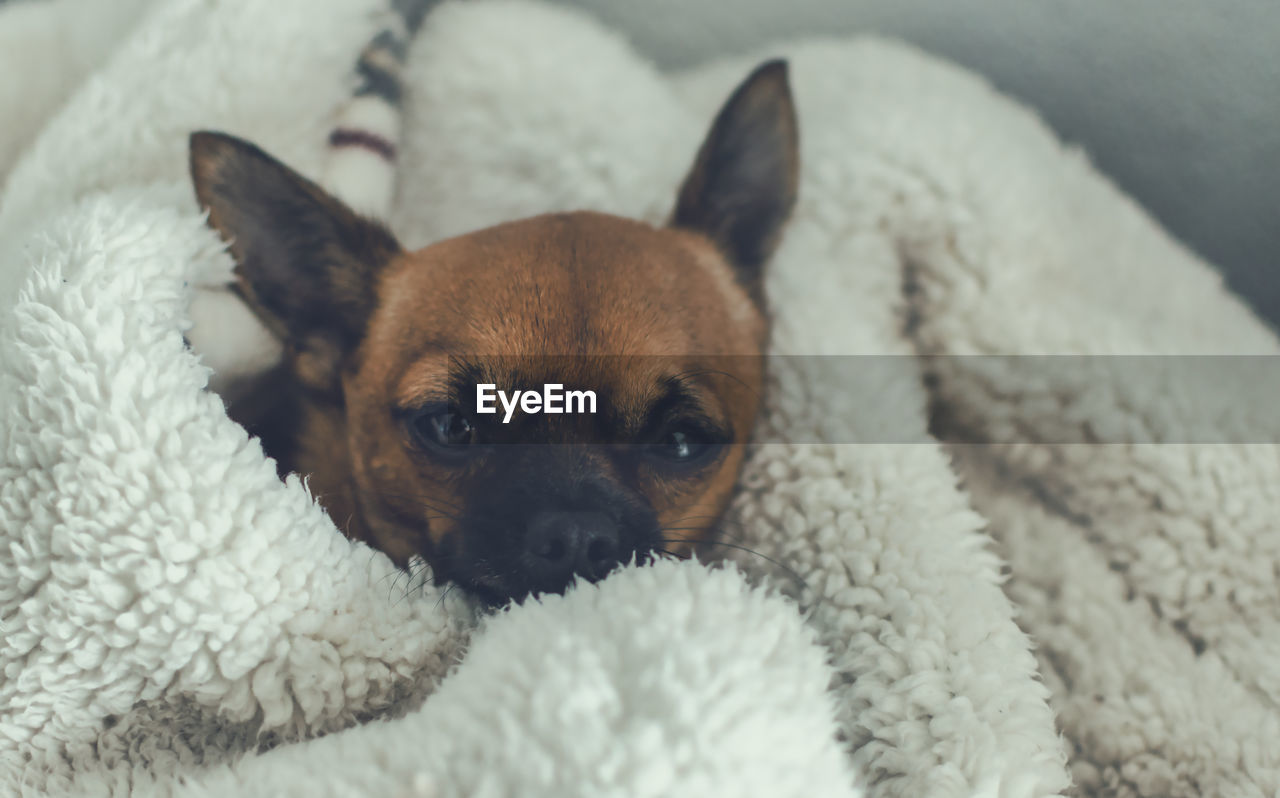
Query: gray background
x,y
1177,100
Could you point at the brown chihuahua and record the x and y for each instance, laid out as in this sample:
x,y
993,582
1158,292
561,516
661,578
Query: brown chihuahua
x,y
389,355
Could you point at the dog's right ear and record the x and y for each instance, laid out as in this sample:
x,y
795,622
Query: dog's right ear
x,y
306,263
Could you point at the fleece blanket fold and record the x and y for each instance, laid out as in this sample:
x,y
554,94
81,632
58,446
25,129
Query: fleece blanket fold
x,y
178,621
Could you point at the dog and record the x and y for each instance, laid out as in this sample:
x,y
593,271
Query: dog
x,y
387,350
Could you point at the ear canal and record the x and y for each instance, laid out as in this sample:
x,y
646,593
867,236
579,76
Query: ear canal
x,y
742,186
306,263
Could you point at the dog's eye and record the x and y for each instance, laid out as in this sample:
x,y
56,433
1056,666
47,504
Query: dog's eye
x,y
443,430
683,445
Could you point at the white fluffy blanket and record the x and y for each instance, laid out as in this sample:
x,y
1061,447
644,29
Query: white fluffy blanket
x,y
171,610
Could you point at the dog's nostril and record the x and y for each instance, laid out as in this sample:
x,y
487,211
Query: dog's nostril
x,y
602,551
561,545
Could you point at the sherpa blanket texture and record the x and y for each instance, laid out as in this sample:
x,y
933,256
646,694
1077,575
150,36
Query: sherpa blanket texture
x,y
1018,619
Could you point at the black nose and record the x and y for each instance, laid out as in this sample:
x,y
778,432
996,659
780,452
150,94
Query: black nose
x,y
562,545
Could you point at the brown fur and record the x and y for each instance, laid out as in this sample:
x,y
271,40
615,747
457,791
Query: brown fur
x,y
634,290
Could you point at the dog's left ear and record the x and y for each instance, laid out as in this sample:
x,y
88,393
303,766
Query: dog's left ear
x,y
307,264
742,187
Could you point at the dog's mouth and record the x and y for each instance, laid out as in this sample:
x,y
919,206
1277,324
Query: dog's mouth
x,y
495,586
490,597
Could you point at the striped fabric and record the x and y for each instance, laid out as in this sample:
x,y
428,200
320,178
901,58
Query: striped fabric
x,y
365,138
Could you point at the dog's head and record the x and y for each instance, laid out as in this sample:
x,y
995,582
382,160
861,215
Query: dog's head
x,y
663,326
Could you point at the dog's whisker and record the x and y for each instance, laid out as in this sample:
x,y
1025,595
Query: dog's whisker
x,y
421,498
707,542
445,594
420,504
689,519
713,535
419,495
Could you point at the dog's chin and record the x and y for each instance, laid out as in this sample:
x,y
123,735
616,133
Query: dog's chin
x,y
489,592
493,594
494,597
489,598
